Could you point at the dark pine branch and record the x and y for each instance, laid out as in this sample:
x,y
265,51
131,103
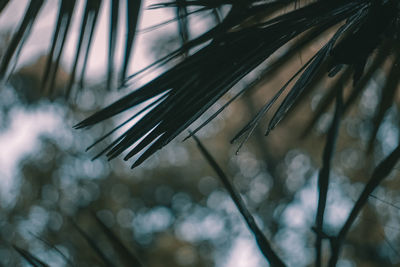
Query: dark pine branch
x,y
323,179
262,241
379,174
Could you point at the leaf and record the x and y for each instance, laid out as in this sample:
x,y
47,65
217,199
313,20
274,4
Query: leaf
x,y
93,15
307,76
113,39
270,71
125,122
60,35
88,25
250,126
133,8
19,37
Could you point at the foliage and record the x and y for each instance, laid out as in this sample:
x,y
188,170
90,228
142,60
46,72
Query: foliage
x,y
355,39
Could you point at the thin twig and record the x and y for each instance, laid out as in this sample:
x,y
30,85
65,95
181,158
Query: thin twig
x,y
385,201
390,245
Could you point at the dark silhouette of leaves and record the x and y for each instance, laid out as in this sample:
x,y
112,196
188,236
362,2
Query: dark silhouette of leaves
x,y
60,35
196,83
86,34
20,36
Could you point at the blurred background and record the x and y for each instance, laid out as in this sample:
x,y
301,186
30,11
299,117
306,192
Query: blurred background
x,y
65,209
